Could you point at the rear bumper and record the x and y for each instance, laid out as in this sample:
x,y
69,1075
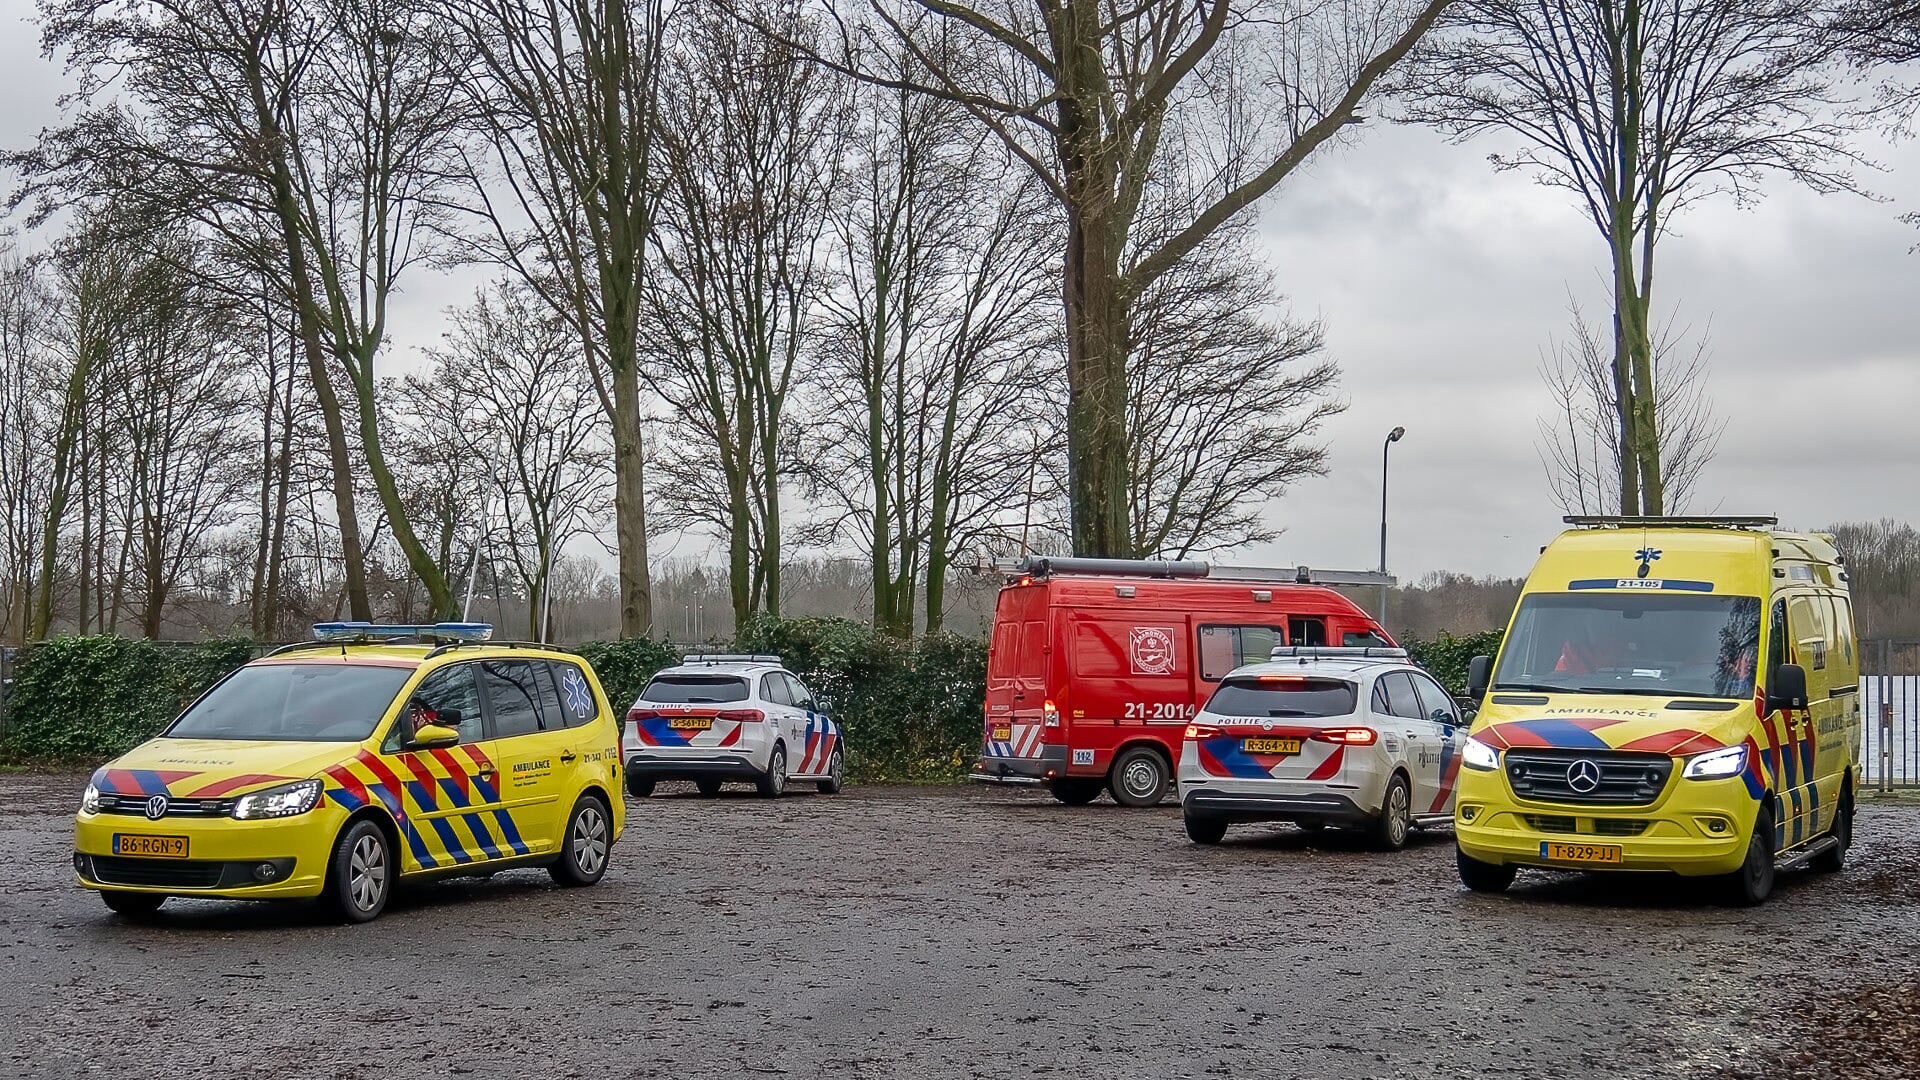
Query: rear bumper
x,y
729,767
1324,806
1050,765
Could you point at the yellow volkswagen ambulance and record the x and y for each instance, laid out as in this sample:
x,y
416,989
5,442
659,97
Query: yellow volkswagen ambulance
x,y
1673,694
373,754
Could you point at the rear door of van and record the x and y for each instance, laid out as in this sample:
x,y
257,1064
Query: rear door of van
x,y
1016,674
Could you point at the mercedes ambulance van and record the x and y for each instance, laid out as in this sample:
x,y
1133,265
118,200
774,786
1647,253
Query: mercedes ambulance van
x,y
1096,666
1673,694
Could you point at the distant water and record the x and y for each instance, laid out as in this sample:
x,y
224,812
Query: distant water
x,y
1903,693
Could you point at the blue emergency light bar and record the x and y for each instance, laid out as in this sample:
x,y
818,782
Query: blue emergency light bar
x,y
367,631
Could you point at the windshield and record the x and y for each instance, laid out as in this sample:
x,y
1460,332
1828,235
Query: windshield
x,y
294,703
1632,643
694,689
1283,696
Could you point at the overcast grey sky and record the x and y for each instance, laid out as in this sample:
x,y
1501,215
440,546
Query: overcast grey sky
x,y
1441,281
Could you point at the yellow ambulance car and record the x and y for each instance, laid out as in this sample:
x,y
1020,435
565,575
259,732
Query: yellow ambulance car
x,y
373,754
1673,694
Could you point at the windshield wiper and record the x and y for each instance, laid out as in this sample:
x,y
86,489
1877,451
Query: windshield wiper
x,y
1631,691
1545,688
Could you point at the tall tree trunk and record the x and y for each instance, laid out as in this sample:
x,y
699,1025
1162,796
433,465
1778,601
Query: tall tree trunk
x,y
432,576
72,417
629,492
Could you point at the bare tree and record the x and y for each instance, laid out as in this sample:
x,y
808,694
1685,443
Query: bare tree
x,y
26,427
518,372
1639,109
1083,92
940,346
1880,33
566,93
747,145
1579,441
1228,395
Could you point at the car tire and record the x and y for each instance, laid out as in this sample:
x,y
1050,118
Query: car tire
x,y
1076,791
708,786
1482,877
639,787
1750,885
1394,823
1834,860
361,873
773,783
836,774
1140,777
137,906
586,846
1205,828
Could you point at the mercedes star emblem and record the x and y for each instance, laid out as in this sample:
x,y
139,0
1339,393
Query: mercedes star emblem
x,y
1583,775
157,807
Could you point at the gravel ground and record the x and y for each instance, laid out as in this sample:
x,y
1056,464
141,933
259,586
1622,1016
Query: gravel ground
x,y
967,932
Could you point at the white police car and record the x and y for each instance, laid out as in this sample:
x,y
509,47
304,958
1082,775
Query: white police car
x,y
1357,738
715,718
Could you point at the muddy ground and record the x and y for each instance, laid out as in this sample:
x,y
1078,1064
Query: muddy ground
x,y
963,932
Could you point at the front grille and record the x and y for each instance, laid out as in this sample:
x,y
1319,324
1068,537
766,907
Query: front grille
x,y
1620,778
163,873
1559,823
111,803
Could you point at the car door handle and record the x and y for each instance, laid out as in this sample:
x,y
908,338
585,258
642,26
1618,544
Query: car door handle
x,y
568,755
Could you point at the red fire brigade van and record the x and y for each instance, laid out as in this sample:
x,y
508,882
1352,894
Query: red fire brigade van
x,y
1097,665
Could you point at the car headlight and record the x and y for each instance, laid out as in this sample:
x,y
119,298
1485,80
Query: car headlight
x,y
90,800
1717,764
1478,755
283,801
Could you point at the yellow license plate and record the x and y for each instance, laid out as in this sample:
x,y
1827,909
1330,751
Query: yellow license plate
x,y
690,723
1271,746
1003,733
150,847
1580,853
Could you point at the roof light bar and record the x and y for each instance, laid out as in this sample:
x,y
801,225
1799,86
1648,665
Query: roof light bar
x,y
731,658
367,631
1336,652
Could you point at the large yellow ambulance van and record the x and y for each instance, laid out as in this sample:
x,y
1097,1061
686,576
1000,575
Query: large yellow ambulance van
x,y
1673,694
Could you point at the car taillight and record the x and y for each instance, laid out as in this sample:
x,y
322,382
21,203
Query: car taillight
x,y
1350,736
1050,713
1201,731
642,714
746,716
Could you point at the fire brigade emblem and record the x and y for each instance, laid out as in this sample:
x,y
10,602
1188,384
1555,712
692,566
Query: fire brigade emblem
x,y
1151,649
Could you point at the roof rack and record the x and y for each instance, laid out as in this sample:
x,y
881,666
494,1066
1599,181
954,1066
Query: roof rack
x,y
1336,652
1586,521
1051,566
733,658
329,635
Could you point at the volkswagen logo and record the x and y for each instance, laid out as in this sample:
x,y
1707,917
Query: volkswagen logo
x,y
1583,775
157,807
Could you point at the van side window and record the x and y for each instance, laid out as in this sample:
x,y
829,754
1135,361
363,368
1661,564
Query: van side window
x,y
553,717
1777,635
1401,699
1223,648
1842,656
447,691
1363,639
1302,630
773,687
576,693
1435,703
511,697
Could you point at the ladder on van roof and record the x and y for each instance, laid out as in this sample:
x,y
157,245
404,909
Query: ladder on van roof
x,y
1052,566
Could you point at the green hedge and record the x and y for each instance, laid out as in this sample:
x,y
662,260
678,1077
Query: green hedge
x,y
81,699
1447,656
911,709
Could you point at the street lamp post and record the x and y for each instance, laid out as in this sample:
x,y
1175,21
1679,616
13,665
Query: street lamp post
x,y
1393,436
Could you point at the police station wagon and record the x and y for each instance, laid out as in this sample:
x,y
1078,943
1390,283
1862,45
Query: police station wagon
x,y
721,717
1358,738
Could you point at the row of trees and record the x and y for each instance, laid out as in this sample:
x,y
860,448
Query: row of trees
x,y
746,258
913,278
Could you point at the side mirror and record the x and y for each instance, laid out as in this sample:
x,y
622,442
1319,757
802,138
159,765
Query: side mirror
x,y
1479,673
1788,688
435,736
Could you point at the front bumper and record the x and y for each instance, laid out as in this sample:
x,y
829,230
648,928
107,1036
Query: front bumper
x,y
1050,765
224,857
1677,832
